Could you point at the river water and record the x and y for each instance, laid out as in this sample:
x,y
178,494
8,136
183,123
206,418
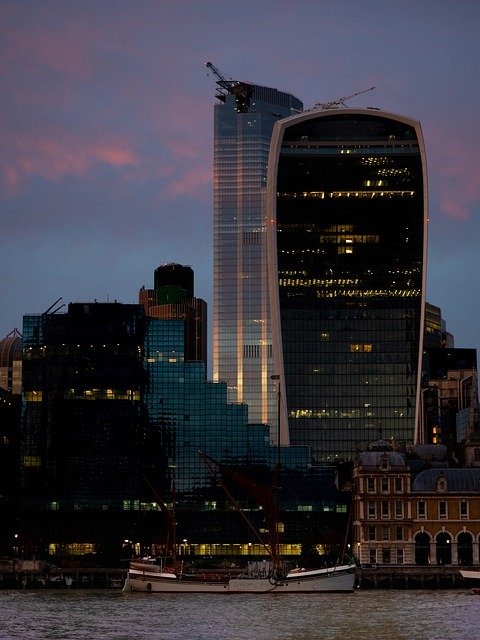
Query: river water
x,y
363,615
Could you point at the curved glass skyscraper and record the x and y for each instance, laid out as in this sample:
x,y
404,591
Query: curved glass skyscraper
x,y
347,206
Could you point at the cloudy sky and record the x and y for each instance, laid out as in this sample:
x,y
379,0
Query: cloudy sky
x,y
106,131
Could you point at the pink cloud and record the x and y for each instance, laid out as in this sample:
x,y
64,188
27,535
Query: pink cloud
x,y
34,47
456,176
57,156
190,181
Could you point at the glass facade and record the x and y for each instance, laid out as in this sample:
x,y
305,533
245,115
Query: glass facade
x,y
347,200
82,417
186,415
192,415
242,346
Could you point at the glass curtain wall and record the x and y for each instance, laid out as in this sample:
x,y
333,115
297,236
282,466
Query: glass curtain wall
x,y
242,347
348,191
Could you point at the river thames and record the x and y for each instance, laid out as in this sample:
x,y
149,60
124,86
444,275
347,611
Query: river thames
x,y
363,615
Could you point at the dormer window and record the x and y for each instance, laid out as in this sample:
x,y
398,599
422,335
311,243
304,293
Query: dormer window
x,y
442,486
384,461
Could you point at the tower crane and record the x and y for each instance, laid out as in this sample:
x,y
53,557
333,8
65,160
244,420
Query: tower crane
x,y
340,102
225,83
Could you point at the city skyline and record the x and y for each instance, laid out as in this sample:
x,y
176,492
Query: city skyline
x,y
107,124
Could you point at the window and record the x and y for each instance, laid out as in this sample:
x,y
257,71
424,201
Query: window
x,y
384,485
398,485
372,533
385,509
398,509
399,533
372,509
399,556
373,556
386,556
385,533
442,509
463,509
421,509
371,485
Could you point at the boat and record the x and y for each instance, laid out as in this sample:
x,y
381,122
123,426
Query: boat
x,y
143,576
268,576
471,574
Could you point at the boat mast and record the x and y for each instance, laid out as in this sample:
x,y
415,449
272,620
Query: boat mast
x,y
171,542
262,494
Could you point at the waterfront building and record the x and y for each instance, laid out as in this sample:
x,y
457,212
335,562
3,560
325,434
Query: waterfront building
x,y
114,416
406,515
347,210
83,425
10,387
242,345
191,414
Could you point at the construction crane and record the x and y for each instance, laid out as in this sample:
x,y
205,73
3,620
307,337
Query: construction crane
x,y
225,83
340,102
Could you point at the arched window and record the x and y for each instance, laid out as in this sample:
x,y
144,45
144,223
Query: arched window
x,y
444,548
422,548
465,549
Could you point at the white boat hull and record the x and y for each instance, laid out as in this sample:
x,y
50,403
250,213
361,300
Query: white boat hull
x,y
334,580
470,574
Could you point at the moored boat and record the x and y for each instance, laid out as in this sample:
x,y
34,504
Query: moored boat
x,y
152,578
267,576
471,574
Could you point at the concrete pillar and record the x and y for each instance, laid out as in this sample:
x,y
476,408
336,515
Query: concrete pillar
x,y
454,546
475,552
433,553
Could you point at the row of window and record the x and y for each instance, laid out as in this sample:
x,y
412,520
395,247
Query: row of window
x,y
385,556
385,486
398,509
384,533
385,509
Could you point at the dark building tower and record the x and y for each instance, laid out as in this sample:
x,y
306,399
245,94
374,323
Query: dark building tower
x,y
242,343
347,249
172,283
83,423
173,299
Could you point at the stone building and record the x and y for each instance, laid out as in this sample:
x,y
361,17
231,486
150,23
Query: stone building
x,y
431,518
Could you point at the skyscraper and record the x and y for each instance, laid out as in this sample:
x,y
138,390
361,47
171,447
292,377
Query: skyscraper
x,y
172,299
347,205
82,417
242,348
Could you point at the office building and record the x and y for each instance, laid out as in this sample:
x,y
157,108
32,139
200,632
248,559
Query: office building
x,y
172,299
347,210
11,362
242,347
82,419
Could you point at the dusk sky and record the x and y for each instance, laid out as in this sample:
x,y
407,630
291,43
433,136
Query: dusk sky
x,y
106,128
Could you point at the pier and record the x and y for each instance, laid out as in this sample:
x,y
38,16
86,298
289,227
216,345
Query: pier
x,y
35,574
409,577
